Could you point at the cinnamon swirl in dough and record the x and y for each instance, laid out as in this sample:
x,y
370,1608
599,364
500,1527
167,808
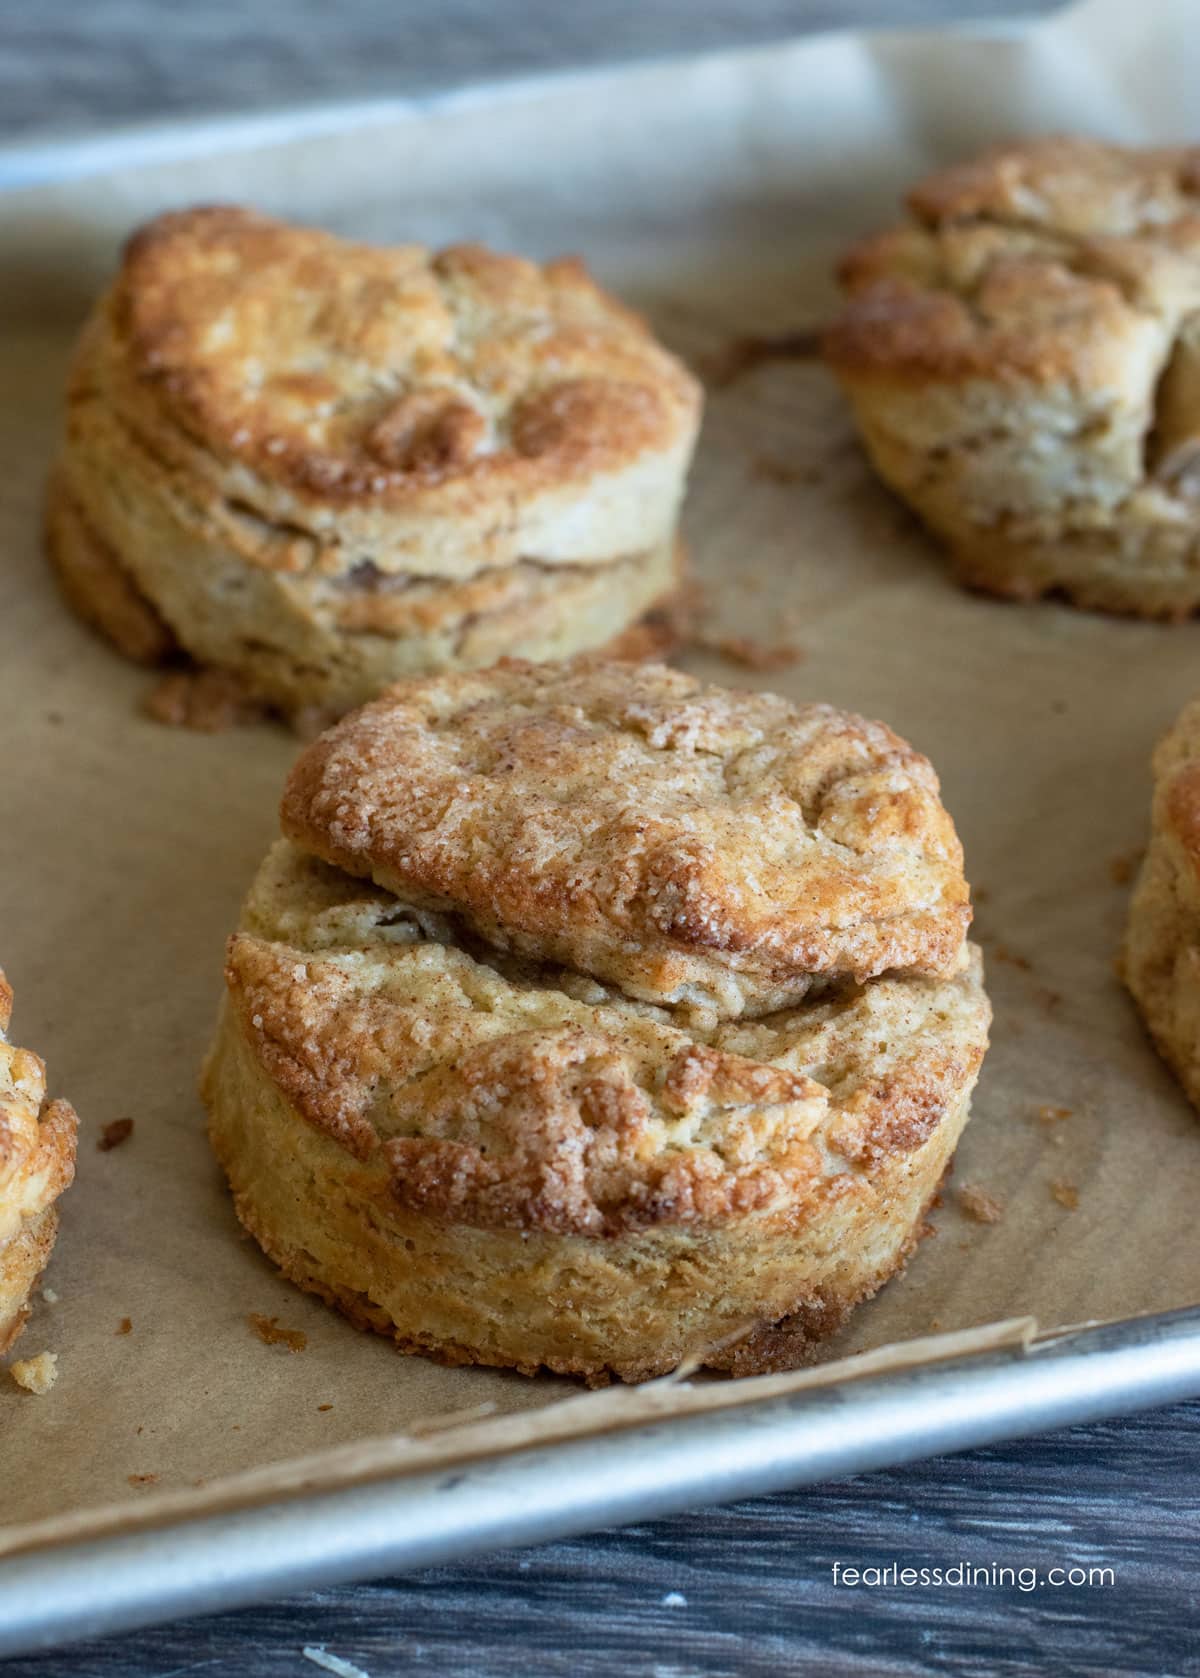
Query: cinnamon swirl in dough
x,y
1023,361
37,1162
589,1018
320,465
1161,962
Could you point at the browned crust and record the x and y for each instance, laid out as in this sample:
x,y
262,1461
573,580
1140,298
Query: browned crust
x,y
706,834
1022,267
22,1261
1181,803
506,375
37,1162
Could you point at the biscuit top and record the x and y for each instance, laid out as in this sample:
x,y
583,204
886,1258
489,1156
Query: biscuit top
x,y
37,1137
690,845
330,374
1059,260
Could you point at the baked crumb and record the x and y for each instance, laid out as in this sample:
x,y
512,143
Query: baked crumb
x,y
113,1134
49,1295
208,701
143,1479
742,355
1003,953
324,1406
751,654
36,1375
1048,1113
270,1333
1065,1193
769,471
1121,869
979,1205
125,1326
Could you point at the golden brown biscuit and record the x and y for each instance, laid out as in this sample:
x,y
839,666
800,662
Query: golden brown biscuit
x,y
1161,960
37,1162
688,844
499,1157
322,465
1023,362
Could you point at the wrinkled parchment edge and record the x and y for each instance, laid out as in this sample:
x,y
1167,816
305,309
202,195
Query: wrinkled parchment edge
x,y
471,1437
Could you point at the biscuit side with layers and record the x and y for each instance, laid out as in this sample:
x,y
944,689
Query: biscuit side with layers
x,y
500,1163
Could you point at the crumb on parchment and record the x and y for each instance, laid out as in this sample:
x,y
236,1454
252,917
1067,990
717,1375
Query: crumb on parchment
x,y
37,1374
1123,867
208,701
125,1326
741,355
979,1205
143,1479
752,654
270,1333
1049,1113
1065,1193
113,1134
1012,958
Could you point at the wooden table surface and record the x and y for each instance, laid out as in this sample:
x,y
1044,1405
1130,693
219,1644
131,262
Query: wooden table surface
x,y
747,1589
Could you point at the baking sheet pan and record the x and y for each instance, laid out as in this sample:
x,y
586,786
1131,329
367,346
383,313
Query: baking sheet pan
x,y
196,1465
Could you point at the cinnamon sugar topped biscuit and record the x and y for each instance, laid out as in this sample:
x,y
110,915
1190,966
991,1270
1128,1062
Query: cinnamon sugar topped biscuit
x,y
589,1018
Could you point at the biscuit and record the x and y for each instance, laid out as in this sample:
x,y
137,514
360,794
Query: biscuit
x,y
446,1109
322,465
1161,958
1023,363
37,1162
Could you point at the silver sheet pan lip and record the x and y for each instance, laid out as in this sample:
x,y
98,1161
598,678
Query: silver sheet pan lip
x,y
55,1596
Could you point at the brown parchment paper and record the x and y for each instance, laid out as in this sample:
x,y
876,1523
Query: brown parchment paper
x,y
714,194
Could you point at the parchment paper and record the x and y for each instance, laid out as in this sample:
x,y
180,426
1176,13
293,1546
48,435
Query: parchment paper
x,y
714,194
